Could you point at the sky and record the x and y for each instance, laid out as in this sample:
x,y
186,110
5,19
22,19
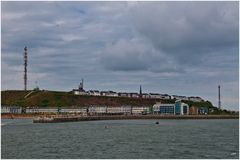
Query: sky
x,y
177,48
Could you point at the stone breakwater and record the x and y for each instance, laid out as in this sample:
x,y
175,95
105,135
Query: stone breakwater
x,y
124,117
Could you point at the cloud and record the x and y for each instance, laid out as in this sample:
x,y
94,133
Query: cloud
x,y
187,29
136,55
183,48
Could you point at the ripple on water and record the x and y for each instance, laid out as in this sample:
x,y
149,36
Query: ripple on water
x,y
121,139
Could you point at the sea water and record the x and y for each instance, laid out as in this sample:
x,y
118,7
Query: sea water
x,y
138,139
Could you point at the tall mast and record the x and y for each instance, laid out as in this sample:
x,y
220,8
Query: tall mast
x,y
219,97
25,68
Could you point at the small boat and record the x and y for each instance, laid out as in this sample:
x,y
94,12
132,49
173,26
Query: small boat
x,y
157,123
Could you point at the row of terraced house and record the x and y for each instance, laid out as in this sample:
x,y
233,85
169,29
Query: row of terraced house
x,y
81,91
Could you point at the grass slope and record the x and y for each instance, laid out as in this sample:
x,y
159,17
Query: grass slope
x,y
67,99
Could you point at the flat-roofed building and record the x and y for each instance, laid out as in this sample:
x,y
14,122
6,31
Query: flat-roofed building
x,y
161,108
181,108
178,108
193,110
114,110
5,109
41,110
97,109
72,110
140,109
48,110
11,109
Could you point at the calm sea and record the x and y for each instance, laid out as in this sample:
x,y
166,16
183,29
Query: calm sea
x,y
121,139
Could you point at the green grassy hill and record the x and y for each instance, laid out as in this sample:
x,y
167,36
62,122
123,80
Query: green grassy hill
x,y
67,99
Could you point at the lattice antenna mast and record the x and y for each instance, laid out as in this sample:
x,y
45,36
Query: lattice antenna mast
x,y
25,68
219,97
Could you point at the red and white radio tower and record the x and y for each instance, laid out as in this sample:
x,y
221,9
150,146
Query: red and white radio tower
x,y
25,68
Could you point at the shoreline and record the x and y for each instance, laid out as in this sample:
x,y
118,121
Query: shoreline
x,y
114,117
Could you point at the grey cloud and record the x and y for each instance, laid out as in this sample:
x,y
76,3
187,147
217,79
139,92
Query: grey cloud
x,y
169,47
187,28
136,55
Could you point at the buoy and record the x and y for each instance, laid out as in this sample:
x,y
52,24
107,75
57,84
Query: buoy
x,y
157,122
232,154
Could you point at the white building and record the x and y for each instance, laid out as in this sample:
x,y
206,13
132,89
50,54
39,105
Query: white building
x,y
94,93
80,90
97,109
122,94
145,95
154,95
11,109
42,110
133,95
115,110
5,109
112,94
109,93
140,109
126,109
32,110
72,110
165,96
195,99
47,110
179,97
103,93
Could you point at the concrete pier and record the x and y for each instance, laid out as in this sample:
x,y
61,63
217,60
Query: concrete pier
x,y
125,117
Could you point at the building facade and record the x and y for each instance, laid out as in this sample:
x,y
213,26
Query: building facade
x,y
178,108
160,108
193,110
203,110
11,109
181,108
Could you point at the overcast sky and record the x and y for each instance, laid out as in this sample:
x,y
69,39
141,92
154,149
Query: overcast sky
x,y
183,48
